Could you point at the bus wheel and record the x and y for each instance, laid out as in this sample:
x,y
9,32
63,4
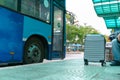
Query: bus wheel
x,y
33,51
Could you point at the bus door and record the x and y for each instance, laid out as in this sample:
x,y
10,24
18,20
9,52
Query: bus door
x,y
58,33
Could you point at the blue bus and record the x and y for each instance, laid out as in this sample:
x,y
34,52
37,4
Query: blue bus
x,y
32,30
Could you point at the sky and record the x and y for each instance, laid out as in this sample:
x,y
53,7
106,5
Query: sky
x,y
85,13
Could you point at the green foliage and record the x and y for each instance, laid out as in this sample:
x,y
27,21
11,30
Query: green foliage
x,y
68,17
71,33
76,34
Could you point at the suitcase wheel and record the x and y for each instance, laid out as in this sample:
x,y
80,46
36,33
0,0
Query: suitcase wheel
x,y
103,63
85,62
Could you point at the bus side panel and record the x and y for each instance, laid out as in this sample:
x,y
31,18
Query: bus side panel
x,y
36,27
11,29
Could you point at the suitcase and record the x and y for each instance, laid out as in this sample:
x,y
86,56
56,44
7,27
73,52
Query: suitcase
x,y
94,49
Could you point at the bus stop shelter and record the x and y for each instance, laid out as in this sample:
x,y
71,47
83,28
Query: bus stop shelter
x,y
110,11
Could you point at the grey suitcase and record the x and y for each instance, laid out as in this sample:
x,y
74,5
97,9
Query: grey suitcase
x,y
94,49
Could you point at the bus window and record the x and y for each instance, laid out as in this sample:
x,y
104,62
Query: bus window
x,y
44,10
12,4
28,7
37,8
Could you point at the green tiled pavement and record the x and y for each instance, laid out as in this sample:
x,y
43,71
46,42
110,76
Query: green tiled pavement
x,y
61,70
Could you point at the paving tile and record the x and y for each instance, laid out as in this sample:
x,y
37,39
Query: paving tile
x,y
68,69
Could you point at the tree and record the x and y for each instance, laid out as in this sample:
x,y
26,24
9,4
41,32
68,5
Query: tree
x,y
70,17
84,30
76,34
71,32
